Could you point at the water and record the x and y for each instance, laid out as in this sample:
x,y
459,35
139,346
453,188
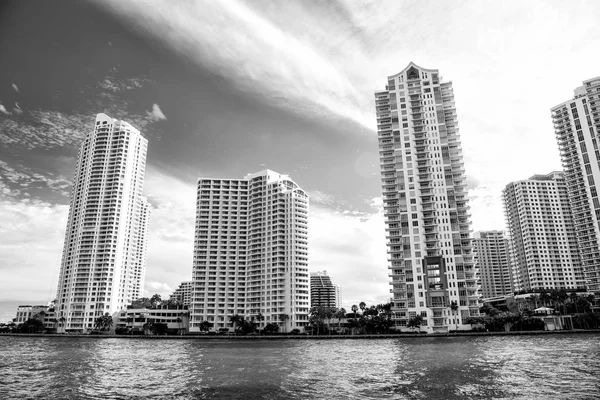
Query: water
x,y
501,367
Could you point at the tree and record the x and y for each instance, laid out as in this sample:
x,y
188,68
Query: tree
x,y
271,327
236,320
142,302
205,326
104,322
354,309
341,313
454,308
173,303
573,299
415,322
32,325
149,326
362,305
155,300
259,317
283,318
544,298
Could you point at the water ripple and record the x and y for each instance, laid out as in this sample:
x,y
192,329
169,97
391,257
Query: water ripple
x,y
526,367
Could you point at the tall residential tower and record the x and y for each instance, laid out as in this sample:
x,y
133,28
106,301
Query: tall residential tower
x,y
251,251
492,256
104,255
577,126
425,202
543,245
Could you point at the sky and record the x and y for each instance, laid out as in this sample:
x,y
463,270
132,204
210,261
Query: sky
x,y
227,88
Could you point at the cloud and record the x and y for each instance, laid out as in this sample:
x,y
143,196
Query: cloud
x,y
15,87
47,128
38,228
353,251
156,114
256,53
161,288
20,180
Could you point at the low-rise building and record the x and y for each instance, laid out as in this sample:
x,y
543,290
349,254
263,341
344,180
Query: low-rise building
x,y
140,320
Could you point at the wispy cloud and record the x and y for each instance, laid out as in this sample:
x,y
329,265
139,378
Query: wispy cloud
x,y
325,59
156,114
48,128
239,43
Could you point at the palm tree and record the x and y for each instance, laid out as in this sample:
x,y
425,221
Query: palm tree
x,y
283,318
259,317
573,298
354,309
415,322
362,306
341,313
454,308
236,320
544,298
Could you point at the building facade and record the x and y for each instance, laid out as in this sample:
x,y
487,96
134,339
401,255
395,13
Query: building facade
x,y
542,241
338,296
251,252
323,292
184,293
492,257
104,254
136,319
577,126
25,312
432,269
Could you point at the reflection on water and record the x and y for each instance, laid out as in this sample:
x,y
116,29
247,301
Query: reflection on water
x,y
528,367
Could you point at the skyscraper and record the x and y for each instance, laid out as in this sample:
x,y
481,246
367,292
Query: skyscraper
x,y
425,201
104,255
543,245
251,251
577,126
323,293
493,261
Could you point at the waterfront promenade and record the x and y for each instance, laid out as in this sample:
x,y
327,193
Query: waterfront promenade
x,y
309,337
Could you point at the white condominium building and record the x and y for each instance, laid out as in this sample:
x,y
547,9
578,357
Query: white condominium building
x,y
251,251
542,242
104,255
425,202
492,257
577,126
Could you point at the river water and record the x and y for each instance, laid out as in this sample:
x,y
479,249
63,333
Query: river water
x,y
495,367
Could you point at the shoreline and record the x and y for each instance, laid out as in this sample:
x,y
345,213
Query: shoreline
x,y
305,337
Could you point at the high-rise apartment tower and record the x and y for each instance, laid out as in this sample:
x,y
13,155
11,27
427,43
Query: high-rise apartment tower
x,y
323,293
577,126
493,261
251,252
542,241
425,202
104,255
